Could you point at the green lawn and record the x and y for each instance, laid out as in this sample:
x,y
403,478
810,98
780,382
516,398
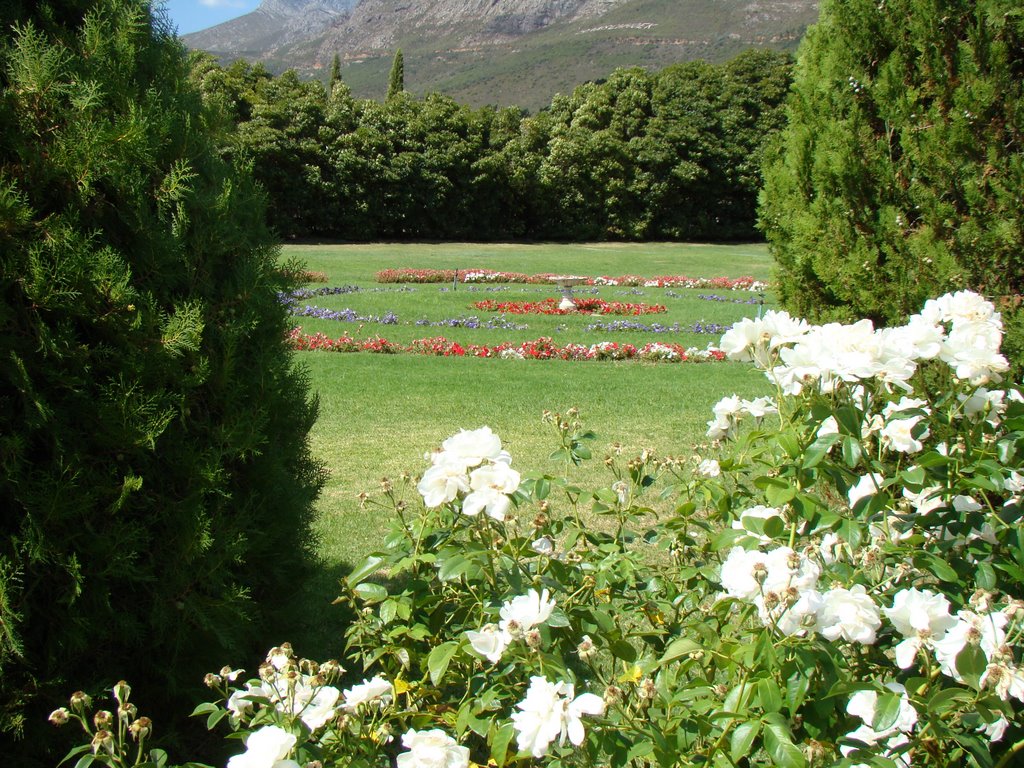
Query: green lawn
x,y
379,414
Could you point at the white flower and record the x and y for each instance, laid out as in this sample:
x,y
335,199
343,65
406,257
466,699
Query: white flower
x,y
314,705
922,617
996,729
748,575
550,712
972,351
526,611
759,407
490,485
239,702
849,614
916,611
801,617
471,447
490,642
727,412
1005,679
543,546
431,749
868,485
266,748
375,691
983,402
709,468
741,571
925,500
442,483
986,631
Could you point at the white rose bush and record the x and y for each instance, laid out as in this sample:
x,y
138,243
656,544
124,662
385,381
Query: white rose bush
x,y
836,578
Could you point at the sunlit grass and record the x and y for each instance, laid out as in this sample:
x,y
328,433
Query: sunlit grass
x,y
379,414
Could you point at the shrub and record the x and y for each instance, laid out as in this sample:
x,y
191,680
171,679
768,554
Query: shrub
x,y
835,581
157,483
899,175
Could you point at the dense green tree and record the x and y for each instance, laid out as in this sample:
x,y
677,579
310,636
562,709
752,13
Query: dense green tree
x,y
335,73
900,175
396,79
674,154
156,480
284,141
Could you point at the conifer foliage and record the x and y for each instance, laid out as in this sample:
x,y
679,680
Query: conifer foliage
x,y
901,173
156,484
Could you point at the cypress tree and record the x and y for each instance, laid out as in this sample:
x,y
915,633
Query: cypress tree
x,y
156,483
396,80
335,73
900,175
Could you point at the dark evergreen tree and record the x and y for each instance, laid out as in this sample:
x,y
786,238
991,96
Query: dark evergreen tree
x,y
396,80
901,173
335,73
156,486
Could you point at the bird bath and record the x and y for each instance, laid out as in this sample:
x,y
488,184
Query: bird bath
x,y
565,284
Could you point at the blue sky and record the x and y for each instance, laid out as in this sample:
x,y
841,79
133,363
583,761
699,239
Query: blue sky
x,y
193,15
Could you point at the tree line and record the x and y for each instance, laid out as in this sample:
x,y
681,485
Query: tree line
x,y
674,155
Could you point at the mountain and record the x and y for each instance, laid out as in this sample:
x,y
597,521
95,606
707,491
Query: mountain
x,y
502,52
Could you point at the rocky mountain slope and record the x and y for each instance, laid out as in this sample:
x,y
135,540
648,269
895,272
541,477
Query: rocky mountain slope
x,y
499,52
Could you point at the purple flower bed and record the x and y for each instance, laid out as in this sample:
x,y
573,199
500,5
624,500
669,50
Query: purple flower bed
x,y
632,325
306,293
344,315
474,322
714,297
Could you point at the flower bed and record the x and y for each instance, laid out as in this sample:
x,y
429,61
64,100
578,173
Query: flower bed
x,y
543,348
628,325
495,323
493,276
583,306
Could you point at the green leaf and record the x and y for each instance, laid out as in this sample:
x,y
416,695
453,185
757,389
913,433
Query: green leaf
x,y
849,420
985,576
779,493
742,739
852,451
682,646
541,488
370,565
204,709
214,718
818,450
370,592
887,709
500,738
623,650
937,566
769,695
971,663
557,618
778,743
439,658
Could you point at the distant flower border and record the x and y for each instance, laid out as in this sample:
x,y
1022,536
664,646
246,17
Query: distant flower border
x,y
543,348
495,276
583,306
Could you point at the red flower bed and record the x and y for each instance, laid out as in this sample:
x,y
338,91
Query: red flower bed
x,y
550,307
543,348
